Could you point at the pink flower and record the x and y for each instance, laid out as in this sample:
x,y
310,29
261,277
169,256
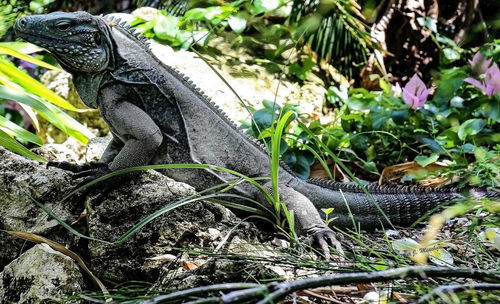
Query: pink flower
x,y
396,89
490,85
479,64
415,92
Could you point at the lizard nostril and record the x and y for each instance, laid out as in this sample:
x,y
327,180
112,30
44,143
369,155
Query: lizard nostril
x,y
21,22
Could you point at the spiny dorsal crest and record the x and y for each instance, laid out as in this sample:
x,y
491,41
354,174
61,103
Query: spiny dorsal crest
x,y
375,188
114,22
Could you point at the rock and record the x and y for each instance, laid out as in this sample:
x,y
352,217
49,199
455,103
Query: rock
x,y
96,147
195,225
40,275
21,178
56,152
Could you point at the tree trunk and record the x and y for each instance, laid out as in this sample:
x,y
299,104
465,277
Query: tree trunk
x,y
409,47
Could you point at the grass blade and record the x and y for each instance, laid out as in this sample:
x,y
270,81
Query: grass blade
x,y
32,85
50,112
14,130
6,50
12,145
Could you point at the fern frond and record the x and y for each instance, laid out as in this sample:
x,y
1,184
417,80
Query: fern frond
x,y
342,38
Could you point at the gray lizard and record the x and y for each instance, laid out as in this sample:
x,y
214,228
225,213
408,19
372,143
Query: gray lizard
x,y
157,115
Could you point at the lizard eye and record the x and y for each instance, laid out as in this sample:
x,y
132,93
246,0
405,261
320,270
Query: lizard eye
x,y
63,26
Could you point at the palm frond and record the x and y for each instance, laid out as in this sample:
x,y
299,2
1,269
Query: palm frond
x,y
341,37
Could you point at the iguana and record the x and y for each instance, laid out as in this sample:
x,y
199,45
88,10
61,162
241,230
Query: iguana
x,y
157,115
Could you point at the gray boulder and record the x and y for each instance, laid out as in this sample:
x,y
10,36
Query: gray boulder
x,y
40,275
193,226
21,181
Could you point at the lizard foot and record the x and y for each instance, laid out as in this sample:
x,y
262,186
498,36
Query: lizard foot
x,y
325,237
85,173
75,168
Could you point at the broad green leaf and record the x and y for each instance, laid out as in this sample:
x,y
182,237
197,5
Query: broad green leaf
x,y
32,85
470,127
12,145
18,132
428,22
327,211
450,55
8,51
166,27
195,14
491,236
299,161
22,47
399,116
264,118
406,246
451,80
439,255
237,24
381,265
51,113
424,161
262,6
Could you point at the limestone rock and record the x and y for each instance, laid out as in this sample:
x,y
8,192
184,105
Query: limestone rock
x,y
40,275
21,178
189,226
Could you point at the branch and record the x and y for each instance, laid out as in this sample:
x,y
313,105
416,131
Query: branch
x,y
273,292
457,287
279,291
184,294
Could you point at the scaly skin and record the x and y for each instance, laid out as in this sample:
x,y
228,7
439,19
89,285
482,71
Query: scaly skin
x,y
157,115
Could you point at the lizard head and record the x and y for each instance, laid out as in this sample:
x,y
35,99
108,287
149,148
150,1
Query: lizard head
x,y
79,41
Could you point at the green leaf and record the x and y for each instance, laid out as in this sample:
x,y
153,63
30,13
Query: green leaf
x,y
22,47
237,24
9,51
263,6
399,116
50,112
451,80
327,211
470,127
299,161
18,132
450,55
426,160
12,145
264,118
428,22
196,14
166,27
32,85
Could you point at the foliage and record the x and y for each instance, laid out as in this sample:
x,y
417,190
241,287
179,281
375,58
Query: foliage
x,y
32,97
263,125
336,32
10,10
460,126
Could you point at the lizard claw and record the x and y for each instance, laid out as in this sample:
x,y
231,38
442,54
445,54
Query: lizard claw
x,y
86,173
87,176
325,237
75,168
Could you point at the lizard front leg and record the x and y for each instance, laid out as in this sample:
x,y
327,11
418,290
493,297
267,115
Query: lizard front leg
x,y
136,137
113,148
308,221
